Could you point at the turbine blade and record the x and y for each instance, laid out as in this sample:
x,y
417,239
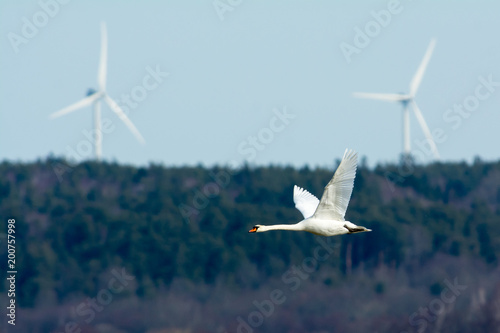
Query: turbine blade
x,y
78,105
417,78
426,130
119,112
101,75
383,97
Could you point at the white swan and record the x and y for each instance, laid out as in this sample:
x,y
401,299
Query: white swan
x,y
325,217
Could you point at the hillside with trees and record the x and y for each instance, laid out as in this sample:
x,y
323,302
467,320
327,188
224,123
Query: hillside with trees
x,y
181,236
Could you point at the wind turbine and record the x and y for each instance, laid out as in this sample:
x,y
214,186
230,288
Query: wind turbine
x,y
94,98
407,101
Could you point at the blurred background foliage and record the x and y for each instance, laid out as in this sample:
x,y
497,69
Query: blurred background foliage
x,y
74,223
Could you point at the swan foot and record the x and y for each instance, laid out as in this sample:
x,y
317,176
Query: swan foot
x,y
356,229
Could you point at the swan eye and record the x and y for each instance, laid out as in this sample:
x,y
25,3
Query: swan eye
x,y
254,229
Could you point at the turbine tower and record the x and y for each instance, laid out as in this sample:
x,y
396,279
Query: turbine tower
x,y
94,98
407,101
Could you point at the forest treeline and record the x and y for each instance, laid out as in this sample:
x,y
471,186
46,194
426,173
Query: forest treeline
x,y
164,225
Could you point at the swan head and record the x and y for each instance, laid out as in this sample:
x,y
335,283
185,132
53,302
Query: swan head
x,y
255,228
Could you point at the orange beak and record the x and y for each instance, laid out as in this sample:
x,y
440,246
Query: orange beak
x,y
254,229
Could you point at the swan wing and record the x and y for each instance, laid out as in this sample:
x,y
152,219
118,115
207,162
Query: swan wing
x,y
337,194
305,202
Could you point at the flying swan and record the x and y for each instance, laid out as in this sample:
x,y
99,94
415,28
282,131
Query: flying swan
x,y
325,217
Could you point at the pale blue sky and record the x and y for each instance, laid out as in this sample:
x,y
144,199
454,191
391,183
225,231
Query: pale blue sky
x,y
227,76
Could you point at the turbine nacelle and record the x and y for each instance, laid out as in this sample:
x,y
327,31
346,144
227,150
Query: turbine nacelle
x,y
91,91
406,101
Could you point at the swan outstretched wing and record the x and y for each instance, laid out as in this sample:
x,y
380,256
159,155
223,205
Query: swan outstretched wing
x,y
305,202
337,194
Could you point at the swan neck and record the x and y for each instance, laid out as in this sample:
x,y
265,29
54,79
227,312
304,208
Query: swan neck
x,y
297,226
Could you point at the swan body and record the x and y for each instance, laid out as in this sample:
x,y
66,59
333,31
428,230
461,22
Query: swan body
x,y
325,217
